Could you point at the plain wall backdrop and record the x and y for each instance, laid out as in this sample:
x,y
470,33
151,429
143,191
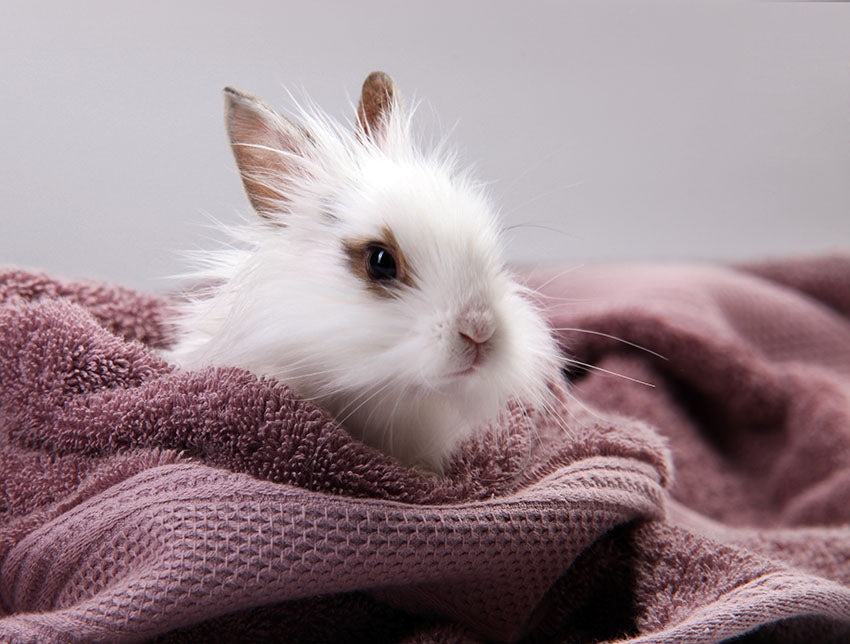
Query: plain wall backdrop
x,y
609,131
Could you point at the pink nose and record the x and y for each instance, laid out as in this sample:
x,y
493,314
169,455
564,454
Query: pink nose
x,y
476,326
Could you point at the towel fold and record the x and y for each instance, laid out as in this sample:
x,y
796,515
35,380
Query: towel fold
x,y
139,501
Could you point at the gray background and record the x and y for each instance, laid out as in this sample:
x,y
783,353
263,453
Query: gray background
x,y
610,131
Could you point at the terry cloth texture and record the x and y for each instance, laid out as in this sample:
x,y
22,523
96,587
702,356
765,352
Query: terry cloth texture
x,y
140,502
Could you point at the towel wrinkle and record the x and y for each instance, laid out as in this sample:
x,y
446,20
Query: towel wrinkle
x,y
141,502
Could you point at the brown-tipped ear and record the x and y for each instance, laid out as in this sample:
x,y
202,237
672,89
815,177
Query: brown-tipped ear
x,y
267,148
376,102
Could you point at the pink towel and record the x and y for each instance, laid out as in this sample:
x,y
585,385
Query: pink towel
x,y
140,502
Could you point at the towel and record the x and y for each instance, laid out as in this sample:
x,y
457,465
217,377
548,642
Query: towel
x,y
689,481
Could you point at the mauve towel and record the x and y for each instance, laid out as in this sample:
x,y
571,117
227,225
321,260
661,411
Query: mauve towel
x,y
140,502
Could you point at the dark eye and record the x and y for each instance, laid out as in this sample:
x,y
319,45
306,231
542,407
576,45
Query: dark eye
x,y
380,263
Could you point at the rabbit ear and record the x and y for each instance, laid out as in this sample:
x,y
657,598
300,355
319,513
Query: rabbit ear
x,y
269,149
377,101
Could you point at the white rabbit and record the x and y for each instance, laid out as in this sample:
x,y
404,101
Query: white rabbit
x,y
372,282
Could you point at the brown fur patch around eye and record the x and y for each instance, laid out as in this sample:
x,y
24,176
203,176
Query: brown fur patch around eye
x,y
357,251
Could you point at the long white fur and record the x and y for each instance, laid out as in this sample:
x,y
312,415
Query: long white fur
x,y
285,302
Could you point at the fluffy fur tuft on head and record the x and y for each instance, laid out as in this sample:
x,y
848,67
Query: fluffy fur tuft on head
x,y
372,282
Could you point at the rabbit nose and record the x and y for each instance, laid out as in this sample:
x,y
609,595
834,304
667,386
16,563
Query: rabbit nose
x,y
476,326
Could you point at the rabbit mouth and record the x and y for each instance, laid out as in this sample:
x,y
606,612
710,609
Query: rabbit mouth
x,y
469,370
478,360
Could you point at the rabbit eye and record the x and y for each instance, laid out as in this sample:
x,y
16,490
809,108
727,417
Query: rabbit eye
x,y
380,263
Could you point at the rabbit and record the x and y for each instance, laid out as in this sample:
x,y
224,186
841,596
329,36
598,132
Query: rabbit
x,y
371,281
